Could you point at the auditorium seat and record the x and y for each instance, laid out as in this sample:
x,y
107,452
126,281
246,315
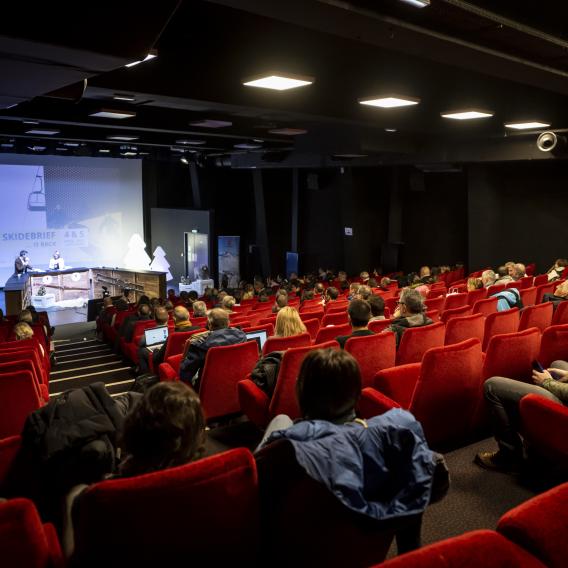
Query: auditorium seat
x,y
528,296
338,318
434,293
539,525
9,448
455,312
435,303
554,345
268,327
206,512
314,304
312,314
330,333
540,279
475,295
500,322
455,301
560,314
312,327
130,348
256,404
175,344
417,340
169,369
26,364
459,329
224,367
24,541
485,307
525,282
447,383
539,316
19,396
434,315
282,343
336,306
379,325
543,289
373,353
266,320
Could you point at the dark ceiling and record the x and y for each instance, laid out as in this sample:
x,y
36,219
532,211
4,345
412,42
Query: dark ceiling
x,y
451,54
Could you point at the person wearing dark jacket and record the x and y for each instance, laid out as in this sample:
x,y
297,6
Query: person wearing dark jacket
x,y
218,334
409,313
359,313
127,328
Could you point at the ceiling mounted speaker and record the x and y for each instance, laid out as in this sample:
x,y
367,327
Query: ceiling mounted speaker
x,y
550,142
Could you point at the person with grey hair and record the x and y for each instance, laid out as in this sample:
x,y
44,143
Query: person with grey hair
x,y
488,278
364,292
409,313
199,309
519,271
503,276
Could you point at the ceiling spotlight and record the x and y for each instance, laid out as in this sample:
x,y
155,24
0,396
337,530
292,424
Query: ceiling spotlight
x,y
210,123
390,130
36,148
417,3
470,114
127,98
527,125
191,142
104,150
42,132
123,137
184,160
288,131
390,101
109,113
152,55
278,81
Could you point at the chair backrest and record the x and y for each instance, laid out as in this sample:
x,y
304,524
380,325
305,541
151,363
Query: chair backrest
x,y
455,312
512,355
23,364
284,397
540,279
554,345
500,322
176,342
312,327
312,314
459,329
560,314
417,340
9,448
224,367
283,343
475,295
268,327
528,296
536,316
379,325
434,315
330,333
435,303
450,385
267,320
434,293
12,355
373,353
18,397
335,318
513,284
222,490
525,282
542,289
455,301
485,307
311,304
140,326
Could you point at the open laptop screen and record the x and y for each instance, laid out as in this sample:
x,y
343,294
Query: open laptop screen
x,y
258,336
156,335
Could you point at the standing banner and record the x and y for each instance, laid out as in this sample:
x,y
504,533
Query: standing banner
x,y
229,261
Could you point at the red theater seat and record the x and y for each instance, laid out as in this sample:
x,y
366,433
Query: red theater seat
x,y
373,353
435,303
485,307
169,369
283,343
499,323
528,296
461,328
455,312
554,345
112,528
455,301
536,316
379,325
417,340
338,318
561,314
330,333
19,396
540,279
476,295
312,327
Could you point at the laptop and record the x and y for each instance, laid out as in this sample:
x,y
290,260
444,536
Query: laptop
x,y
258,336
156,337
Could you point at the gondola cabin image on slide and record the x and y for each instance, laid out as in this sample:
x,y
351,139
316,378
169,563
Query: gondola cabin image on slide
x,y
36,199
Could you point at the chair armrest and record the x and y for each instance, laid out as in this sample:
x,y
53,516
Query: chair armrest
x,y
254,402
167,373
56,559
372,403
398,383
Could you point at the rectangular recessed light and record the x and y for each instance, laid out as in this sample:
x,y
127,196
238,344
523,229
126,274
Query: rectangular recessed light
x,y
390,129
191,142
152,55
527,125
390,101
109,113
467,114
209,123
122,137
121,97
288,131
417,3
278,81
247,146
6,145
71,144
104,151
60,149
129,154
42,132
30,121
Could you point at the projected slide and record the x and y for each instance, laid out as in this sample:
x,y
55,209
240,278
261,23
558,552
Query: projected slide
x,y
86,208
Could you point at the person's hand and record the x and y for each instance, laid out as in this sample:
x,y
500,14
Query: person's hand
x,y
561,374
539,378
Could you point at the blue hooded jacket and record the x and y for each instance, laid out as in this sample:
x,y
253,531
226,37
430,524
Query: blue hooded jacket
x,y
506,299
383,471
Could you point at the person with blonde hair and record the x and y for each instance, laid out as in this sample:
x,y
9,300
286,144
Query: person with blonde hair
x,y
23,330
288,323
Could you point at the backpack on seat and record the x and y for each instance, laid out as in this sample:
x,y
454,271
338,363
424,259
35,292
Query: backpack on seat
x,y
265,372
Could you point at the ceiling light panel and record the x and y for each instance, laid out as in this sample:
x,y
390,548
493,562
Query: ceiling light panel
x,y
152,55
278,81
123,137
527,125
190,142
288,131
390,101
210,123
123,97
109,113
468,114
42,132
417,3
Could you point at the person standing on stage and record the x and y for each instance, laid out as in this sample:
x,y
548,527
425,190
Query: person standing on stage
x,y
22,263
56,262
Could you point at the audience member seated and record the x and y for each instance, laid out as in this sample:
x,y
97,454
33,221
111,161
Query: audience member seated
x,y
281,301
248,293
319,290
364,293
307,295
507,299
560,294
227,304
409,313
162,317
26,317
372,282
359,313
168,304
518,271
199,309
331,294
424,272
503,276
107,311
503,396
219,333
23,330
377,308
488,278
557,270
474,284
385,283
353,290
364,277
288,322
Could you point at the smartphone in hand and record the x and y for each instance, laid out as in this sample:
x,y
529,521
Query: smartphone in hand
x,y
538,367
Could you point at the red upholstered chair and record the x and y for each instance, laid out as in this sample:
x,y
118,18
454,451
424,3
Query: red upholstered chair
x,y
312,314
282,343
536,316
175,344
448,383
373,353
435,293
336,306
514,284
512,354
314,304
224,368
476,549
9,448
476,295
130,348
485,307
221,491
560,314
241,322
543,289
539,526
391,304
379,325
540,279
495,288
267,320
312,327
461,328
19,396
455,312
455,301
525,282
435,303
336,318
268,327
26,364
554,345
417,340
528,296
544,424
24,540
255,403
169,369
330,333
499,323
